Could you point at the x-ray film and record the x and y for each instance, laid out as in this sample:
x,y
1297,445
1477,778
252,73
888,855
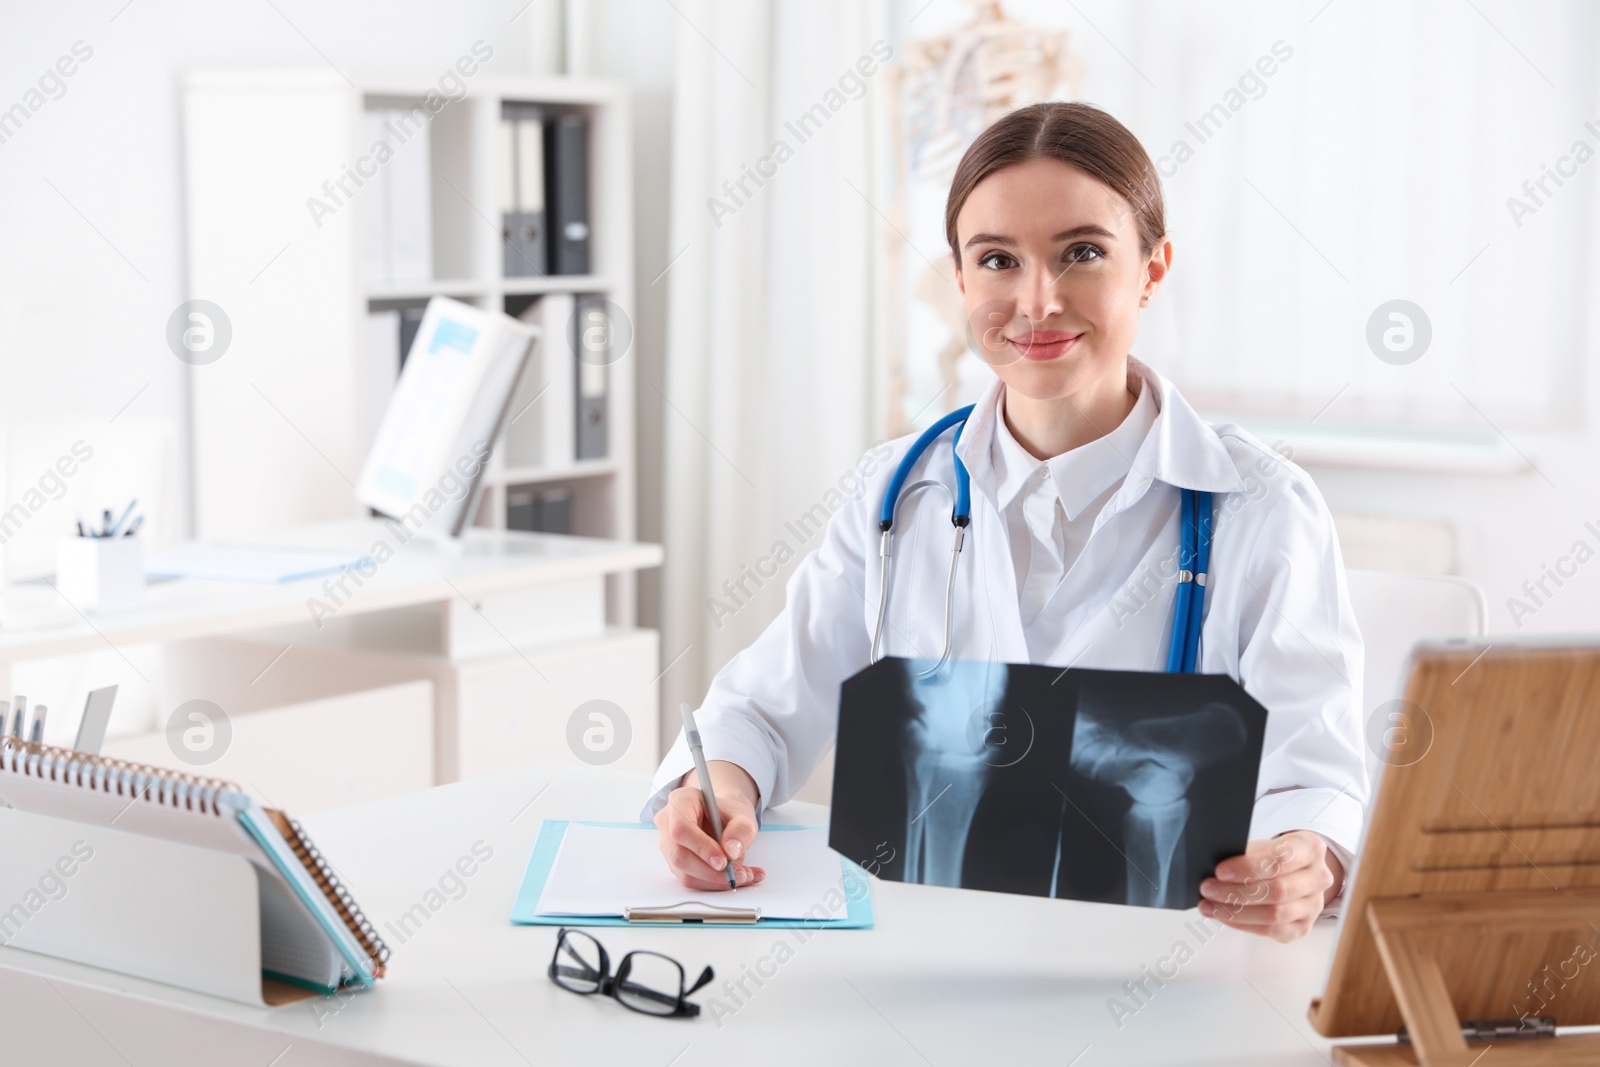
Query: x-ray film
x,y
1123,787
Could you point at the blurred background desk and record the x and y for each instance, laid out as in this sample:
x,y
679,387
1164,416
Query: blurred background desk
x,y
445,662
946,977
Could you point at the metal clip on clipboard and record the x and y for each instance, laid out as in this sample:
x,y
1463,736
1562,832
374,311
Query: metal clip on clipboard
x,y
691,911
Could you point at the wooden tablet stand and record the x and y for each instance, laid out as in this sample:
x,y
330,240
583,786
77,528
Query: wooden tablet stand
x,y
1477,893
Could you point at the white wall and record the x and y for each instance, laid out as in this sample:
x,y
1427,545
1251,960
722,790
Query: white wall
x,y
634,42
92,260
92,245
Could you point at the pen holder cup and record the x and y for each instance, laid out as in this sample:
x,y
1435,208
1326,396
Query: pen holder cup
x,y
100,573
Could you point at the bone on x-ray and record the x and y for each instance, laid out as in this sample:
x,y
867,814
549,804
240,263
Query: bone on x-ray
x,y
1155,761
945,772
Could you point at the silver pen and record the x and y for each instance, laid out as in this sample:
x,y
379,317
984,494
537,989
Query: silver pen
x,y
693,737
19,721
39,711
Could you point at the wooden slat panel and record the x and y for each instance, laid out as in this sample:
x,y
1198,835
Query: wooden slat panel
x,y
1516,744
1544,848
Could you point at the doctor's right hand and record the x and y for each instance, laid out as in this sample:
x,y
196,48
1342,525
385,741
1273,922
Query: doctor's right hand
x,y
692,853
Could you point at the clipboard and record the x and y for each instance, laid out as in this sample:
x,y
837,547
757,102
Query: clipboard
x,y
858,896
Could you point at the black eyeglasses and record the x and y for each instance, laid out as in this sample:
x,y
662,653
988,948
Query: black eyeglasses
x,y
645,981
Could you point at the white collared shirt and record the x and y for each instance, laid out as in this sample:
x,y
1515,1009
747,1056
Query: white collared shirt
x,y
1050,505
1277,615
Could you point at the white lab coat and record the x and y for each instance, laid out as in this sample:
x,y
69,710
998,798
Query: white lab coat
x,y
1277,615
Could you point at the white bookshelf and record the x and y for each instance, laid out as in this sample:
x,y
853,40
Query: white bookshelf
x,y
278,411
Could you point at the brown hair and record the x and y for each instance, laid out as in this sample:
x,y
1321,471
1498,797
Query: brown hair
x,y
1077,134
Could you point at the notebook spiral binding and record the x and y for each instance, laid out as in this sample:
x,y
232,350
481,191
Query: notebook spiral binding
x,y
330,883
103,774
191,792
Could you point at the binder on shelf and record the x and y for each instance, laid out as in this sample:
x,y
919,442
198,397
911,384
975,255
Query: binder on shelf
x,y
396,201
567,192
522,509
541,429
427,464
374,207
506,162
409,176
179,879
410,323
522,189
555,510
558,362
592,344
535,510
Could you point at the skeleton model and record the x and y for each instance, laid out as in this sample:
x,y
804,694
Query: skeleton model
x,y
946,90
1155,760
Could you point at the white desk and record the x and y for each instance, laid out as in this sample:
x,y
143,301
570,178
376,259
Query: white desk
x,y
509,628
37,622
946,977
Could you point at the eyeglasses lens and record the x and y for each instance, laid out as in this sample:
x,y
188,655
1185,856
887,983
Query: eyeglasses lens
x,y
653,983
578,962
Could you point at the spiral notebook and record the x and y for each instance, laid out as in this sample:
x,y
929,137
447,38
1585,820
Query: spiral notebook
x,y
313,938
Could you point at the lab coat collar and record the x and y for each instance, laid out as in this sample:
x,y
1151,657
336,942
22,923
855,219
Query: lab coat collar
x,y
1180,449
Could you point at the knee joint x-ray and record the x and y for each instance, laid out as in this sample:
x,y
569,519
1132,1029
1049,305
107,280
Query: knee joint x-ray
x,y
1154,761
1116,786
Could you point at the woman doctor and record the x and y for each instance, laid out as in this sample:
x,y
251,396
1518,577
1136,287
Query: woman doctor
x,y
1077,453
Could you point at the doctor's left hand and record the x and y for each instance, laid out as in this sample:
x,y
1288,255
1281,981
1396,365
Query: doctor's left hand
x,y
1277,888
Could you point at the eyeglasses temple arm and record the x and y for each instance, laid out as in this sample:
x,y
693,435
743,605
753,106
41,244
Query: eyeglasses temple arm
x,y
705,976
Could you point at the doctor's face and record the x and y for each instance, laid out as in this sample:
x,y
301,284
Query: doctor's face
x,y
1053,276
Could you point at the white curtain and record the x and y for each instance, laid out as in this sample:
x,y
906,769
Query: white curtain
x,y
771,310
1321,160
1376,164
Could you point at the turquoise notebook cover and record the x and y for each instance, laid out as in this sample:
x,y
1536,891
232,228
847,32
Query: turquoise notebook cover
x,y
266,835
858,897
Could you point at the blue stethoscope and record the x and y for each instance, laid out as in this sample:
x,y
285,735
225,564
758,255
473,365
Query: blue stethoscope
x,y
1194,553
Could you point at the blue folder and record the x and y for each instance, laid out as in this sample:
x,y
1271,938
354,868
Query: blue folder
x,y
858,897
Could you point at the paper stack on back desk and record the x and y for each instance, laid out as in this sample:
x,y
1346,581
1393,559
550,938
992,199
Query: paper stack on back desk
x,y
605,870
250,563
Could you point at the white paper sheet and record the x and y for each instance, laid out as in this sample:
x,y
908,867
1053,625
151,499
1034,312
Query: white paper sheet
x,y
248,563
600,870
